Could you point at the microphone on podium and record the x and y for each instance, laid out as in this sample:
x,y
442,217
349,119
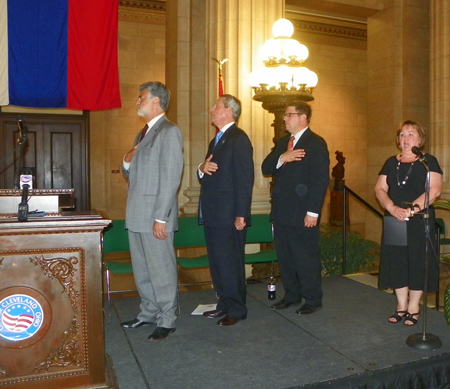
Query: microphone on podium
x,y
22,214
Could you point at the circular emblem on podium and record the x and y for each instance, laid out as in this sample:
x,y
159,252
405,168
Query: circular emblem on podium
x,y
25,316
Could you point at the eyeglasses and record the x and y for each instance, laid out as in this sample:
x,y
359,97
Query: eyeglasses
x,y
142,98
289,114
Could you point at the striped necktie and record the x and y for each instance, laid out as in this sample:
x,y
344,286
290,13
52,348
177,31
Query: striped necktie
x,y
143,133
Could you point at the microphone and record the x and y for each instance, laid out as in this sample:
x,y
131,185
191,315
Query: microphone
x,y
22,214
406,204
416,151
21,128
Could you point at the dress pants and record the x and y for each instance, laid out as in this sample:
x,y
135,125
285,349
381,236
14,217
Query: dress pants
x,y
299,260
156,276
226,251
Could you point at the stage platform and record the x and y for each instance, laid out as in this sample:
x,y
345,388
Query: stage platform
x,y
347,344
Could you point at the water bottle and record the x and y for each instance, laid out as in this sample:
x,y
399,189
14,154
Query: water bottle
x,y
271,289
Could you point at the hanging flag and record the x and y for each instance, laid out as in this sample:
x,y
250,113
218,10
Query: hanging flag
x,y
220,82
59,54
220,78
220,74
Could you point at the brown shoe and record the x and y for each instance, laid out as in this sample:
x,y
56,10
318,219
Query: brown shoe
x,y
228,321
214,314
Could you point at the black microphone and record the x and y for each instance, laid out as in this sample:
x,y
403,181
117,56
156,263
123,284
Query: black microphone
x,y
416,151
22,133
406,204
22,214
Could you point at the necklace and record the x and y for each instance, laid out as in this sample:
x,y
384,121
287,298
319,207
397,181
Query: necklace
x,y
403,183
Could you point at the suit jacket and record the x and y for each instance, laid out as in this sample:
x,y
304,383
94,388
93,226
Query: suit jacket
x,y
299,186
154,177
227,193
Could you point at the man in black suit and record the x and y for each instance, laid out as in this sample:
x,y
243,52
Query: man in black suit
x,y
227,176
300,166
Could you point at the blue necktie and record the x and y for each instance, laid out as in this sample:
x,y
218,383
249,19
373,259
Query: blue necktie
x,y
218,136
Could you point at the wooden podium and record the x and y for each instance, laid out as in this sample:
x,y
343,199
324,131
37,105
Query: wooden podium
x,y
51,312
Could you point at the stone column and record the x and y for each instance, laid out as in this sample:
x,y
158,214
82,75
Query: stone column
x,y
398,82
198,31
439,141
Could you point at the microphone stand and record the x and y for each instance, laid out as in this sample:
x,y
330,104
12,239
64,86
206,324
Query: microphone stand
x,y
424,340
22,138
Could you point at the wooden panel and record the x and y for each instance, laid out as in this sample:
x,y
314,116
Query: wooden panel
x,y
53,268
56,146
61,158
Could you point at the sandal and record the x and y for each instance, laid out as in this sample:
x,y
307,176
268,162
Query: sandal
x,y
397,317
410,317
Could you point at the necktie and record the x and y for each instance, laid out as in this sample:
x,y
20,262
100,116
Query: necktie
x,y
143,133
218,136
290,145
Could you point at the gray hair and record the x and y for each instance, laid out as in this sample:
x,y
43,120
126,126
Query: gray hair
x,y
157,89
234,103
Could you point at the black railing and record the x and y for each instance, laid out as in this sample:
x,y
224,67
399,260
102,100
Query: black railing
x,y
380,215
347,190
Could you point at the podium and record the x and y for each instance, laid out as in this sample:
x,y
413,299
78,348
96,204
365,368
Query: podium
x,y
51,308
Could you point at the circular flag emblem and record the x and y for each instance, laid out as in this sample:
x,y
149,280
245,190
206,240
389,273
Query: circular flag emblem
x,y
21,316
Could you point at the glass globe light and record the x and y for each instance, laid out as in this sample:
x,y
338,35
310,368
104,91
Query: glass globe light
x,y
283,74
260,76
304,53
301,75
312,79
270,49
295,49
253,78
269,77
282,28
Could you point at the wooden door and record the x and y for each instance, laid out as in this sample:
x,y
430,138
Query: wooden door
x,y
56,147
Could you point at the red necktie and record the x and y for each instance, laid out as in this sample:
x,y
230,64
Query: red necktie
x,y
143,132
290,145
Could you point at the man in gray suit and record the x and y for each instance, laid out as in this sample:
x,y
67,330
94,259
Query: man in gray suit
x,y
154,167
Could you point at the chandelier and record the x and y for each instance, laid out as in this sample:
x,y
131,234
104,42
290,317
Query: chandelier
x,y
283,78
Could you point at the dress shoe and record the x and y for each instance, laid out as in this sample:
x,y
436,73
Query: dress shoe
x,y
160,333
214,314
306,309
135,323
281,305
228,321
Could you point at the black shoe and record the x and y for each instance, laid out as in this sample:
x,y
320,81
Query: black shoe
x,y
160,333
306,309
281,305
135,323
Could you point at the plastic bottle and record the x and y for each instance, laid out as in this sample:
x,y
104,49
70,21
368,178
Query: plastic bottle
x,y
272,289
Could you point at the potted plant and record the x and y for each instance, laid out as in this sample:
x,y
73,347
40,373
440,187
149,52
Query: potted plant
x,y
361,254
445,204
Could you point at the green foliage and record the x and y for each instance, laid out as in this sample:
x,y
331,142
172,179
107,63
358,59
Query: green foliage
x,y
447,305
444,204
362,254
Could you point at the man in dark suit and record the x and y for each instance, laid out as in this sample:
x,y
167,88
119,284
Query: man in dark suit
x,y
227,176
299,164
154,167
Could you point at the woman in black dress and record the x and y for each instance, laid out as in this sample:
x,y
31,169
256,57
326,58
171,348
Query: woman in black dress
x,y
402,180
